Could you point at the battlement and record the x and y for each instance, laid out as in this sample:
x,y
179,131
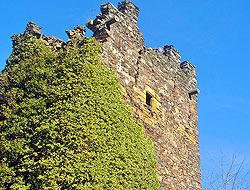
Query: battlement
x,y
172,53
77,32
52,41
128,8
187,67
108,9
31,29
121,24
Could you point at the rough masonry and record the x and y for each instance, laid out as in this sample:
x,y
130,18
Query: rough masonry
x,y
161,90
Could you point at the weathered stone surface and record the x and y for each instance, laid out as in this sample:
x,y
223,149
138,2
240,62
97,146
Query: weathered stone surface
x,y
147,74
172,54
53,42
78,32
32,28
129,9
187,67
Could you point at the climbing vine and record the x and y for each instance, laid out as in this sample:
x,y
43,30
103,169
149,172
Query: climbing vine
x,y
64,124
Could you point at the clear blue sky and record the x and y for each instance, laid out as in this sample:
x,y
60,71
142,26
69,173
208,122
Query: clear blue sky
x,y
211,34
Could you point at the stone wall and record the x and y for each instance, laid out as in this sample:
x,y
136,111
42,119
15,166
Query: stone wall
x,y
161,90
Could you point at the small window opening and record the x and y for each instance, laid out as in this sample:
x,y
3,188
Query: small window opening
x,y
148,99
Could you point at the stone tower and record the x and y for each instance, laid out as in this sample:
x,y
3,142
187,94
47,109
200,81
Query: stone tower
x,y
161,90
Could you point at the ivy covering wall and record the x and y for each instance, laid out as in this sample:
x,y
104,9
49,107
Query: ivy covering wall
x,y
64,124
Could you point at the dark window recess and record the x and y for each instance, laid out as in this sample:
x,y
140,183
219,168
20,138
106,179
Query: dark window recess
x,y
148,99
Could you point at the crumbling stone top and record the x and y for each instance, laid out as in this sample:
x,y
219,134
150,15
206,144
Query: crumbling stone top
x,y
121,21
108,9
79,31
128,8
172,53
126,28
52,41
187,67
33,29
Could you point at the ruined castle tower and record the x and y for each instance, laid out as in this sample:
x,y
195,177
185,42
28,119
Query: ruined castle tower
x,y
161,90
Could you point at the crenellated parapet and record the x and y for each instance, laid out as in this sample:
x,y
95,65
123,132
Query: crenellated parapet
x,y
32,29
53,42
187,67
172,54
118,26
77,32
121,22
128,8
